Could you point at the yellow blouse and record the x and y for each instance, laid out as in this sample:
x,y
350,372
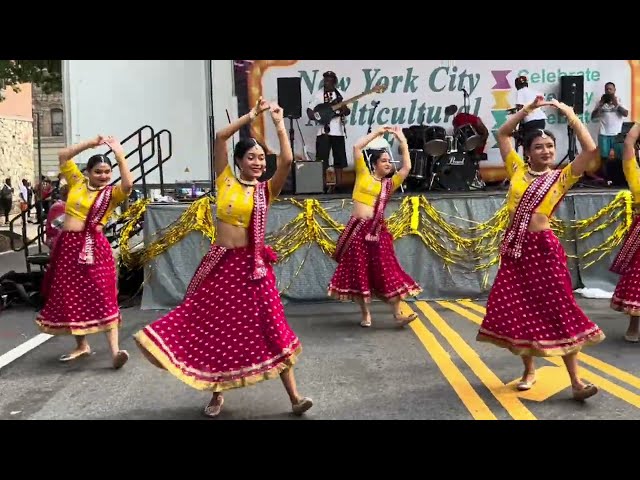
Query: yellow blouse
x,y
367,188
80,198
516,170
234,202
632,174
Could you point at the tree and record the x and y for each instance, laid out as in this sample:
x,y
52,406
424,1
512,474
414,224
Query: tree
x,y
47,74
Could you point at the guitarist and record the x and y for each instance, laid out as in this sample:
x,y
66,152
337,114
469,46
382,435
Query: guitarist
x,y
330,137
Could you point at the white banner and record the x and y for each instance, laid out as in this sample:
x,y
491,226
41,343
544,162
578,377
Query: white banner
x,y
419,90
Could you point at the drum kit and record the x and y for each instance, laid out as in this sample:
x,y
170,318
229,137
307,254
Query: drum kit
x,y
442,161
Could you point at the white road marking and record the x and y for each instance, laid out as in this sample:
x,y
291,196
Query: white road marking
x,y
20,350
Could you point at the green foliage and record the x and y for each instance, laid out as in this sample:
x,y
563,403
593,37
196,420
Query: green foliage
x,y
47,74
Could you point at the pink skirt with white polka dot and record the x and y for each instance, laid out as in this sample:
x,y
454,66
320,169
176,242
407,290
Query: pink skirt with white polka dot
x,y
80,299
626,297
231,332
531,309
371,269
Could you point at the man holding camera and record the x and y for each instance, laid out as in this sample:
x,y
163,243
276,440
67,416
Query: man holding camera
x,y
611,114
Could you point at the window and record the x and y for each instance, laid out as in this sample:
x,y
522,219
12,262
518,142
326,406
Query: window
x,y
57,123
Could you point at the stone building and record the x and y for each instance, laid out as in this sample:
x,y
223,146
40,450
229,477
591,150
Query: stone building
x,y
16,139
48,114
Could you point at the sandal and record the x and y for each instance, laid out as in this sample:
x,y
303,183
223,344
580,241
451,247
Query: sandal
x,y
213,410
527,383
302,406
632,338
366,323
68,357
120,359
589,390
402,321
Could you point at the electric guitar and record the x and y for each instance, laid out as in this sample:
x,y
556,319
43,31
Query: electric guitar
x,y
324,112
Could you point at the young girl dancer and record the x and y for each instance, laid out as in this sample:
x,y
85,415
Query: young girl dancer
x,y
230,331
531,309
80,285
367,264
626,297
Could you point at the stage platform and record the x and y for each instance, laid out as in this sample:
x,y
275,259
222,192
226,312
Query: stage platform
x,y
305,274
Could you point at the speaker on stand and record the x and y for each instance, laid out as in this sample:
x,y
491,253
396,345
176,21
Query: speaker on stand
x,y
290,99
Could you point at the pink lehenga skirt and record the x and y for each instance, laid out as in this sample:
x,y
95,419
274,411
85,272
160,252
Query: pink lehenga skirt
x,y
80,298
230,332
531,308
368,269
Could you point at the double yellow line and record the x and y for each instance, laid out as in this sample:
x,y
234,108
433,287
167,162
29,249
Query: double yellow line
x,y
504,394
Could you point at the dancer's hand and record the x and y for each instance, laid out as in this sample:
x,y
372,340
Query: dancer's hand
x,y
277,114
260,107
97,141
537,103
398,133
563,107
114,145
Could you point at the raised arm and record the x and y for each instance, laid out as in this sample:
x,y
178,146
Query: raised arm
x,y
404,151
505,132
68,153
589,148
285,159
126,178
221,160
364,141
629,152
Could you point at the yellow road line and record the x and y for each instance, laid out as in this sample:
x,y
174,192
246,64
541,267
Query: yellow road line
x,y
510,402
470,398
604,367
602,382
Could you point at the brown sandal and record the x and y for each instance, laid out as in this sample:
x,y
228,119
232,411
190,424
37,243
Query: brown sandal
x,y
213,410
589,390
120,359
302,406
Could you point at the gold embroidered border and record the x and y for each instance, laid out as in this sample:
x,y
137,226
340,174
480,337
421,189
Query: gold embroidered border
x,y
79,328
542,352
145,343
347,295
622,305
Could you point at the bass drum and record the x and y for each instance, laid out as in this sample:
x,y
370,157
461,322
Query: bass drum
x,y
453,172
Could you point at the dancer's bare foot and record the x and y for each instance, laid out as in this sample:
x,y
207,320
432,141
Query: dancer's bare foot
x,y
215,405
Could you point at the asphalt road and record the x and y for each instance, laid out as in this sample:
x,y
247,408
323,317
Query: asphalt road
x,y
432,369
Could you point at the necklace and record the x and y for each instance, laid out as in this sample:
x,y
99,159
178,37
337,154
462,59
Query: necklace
x,y
248,183
376,178
536,174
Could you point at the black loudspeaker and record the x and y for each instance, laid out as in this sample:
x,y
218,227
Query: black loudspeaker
x,y
572,91
290,96
272,165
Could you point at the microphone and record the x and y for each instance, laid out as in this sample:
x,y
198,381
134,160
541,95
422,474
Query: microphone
x,y
465,92
375,103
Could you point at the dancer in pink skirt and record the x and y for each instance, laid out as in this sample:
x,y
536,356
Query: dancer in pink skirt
x,y
80,284
367,263
626,297
531,309
230,330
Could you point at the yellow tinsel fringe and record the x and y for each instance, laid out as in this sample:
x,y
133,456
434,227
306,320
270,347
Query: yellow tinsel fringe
x,y
475,247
